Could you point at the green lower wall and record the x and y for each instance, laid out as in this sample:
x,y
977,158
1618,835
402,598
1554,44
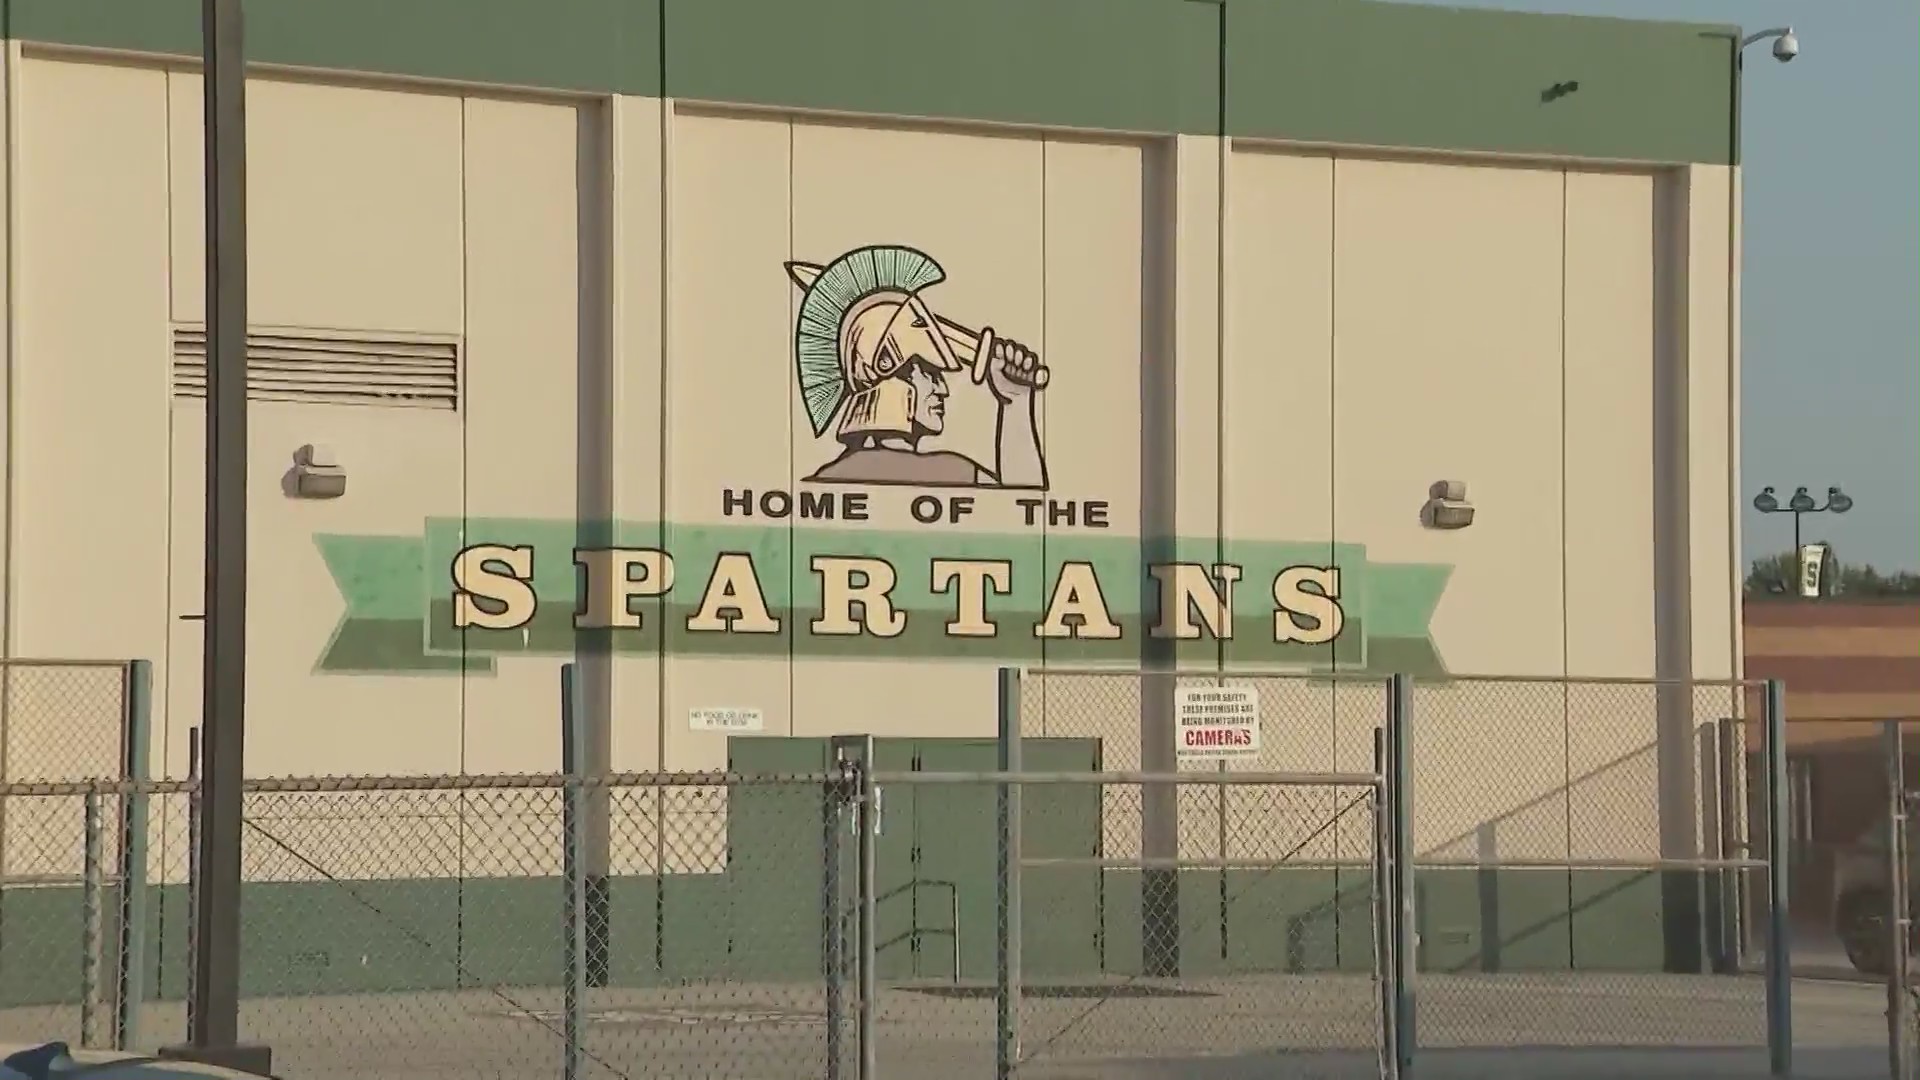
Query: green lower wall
x,y
372,936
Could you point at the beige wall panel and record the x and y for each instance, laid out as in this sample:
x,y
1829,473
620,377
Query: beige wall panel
x,y
728,390
349,835
1447,347
1095,345
353,201
510,833
1359,706
1736,572
1277,470
1447,366
683,829
333,243
1197,345
1093,330
1612,797
636,260
1276,466
1490,759
91,359
521,392
1614,771
522,271
978,206
1609,436
1709,408
9,70
306,723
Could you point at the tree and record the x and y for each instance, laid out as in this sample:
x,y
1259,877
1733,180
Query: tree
x,y
1779,575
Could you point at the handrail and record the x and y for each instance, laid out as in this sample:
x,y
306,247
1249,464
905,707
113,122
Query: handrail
x,y
953,896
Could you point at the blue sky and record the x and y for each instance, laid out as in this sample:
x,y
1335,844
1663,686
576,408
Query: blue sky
x,y
1830,317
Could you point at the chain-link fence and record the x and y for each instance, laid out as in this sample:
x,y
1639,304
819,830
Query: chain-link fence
x,y
1869,931
68,720
1590,854
64,719
442,925
455,925
1581,863
1147,874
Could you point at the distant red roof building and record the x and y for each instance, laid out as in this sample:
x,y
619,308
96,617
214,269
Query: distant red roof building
x,y
1842,661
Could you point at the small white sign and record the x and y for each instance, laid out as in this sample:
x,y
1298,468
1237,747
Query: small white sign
x,y
725,719
1217,723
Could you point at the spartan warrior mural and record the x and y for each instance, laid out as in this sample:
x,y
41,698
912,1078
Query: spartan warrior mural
x,y
871,352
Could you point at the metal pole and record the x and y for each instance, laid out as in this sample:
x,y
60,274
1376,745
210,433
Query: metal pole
x,y
573,823
1779,953
214,1034
1730,763
833,813
1405,958
1383,922
193,870
90,929
130,989
868,814
1898,1009
1007,947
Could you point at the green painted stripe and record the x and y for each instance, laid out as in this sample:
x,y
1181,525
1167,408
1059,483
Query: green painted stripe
x,y
597,46
361,936
1138,65
1395,75
1353,72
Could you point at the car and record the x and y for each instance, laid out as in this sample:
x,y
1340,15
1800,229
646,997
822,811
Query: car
x,y
1860,901
55,1061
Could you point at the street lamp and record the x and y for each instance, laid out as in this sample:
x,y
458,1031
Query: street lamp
x,y
1838,502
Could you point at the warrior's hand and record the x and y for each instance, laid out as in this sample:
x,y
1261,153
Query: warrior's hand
x,y
1014,371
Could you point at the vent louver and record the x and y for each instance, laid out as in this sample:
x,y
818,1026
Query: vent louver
x,y
331,368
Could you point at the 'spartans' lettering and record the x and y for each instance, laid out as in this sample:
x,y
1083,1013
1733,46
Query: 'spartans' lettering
x,y
493,590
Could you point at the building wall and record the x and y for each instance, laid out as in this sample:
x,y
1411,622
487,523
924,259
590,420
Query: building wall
x,y
1387,323
1263,350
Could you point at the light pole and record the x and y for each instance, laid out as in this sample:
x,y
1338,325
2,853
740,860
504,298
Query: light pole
x,y
1801,504
1786,46
1779,992
213,1034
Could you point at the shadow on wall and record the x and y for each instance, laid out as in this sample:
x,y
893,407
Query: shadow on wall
x,y
1477,914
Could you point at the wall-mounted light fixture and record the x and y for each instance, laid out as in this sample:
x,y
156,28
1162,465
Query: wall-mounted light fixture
x,y
317,473
1447,506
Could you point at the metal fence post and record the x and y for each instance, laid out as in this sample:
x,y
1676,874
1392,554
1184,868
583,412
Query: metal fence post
x,y
91,937
1898,1008
1383,921
193,864
1729,764
131,975
867,815
833,813
1405,949
573,717
1007,947
1779,956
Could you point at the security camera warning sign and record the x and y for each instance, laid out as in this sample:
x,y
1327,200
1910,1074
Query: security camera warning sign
x,y
1217,723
